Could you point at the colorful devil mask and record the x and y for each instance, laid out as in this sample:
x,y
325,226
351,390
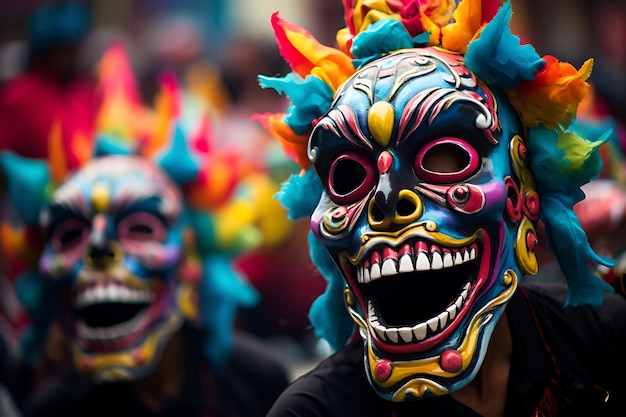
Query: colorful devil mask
x,y
112,256
431,143
420,211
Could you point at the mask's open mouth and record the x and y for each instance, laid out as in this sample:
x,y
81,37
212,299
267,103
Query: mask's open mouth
x,y
415,295
112,315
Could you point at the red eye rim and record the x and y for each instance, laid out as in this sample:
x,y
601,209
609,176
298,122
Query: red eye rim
x,y
153,223
67,225
356,192
447,177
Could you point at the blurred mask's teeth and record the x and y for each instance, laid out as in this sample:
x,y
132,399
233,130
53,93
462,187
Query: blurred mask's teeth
x,y
111,292
111,333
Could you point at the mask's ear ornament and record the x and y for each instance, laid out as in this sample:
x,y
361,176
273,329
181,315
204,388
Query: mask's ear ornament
x,y
431,144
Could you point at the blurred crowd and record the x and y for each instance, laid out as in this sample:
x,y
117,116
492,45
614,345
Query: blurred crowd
x,y
49,63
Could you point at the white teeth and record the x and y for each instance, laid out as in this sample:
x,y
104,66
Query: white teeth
x,y
375,272
366,275
389,267
451,311
380,332
422,264
419,331
99,294
104,334
443,319
437,262
458,259
406,265
465,291
111,292
406,333
433,324
420,261
371,313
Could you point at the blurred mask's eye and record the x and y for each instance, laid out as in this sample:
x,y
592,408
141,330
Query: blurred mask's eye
x,y
351,177
141,227
446,160
69,234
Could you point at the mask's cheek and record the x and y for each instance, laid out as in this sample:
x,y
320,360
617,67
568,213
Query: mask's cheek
x,y
147,239
335,224
61,268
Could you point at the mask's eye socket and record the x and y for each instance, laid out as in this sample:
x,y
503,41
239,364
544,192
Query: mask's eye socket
x,y
141,227
350,178
446,161
69,234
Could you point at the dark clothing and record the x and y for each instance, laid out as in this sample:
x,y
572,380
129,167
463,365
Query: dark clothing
x,y
565,362
251,381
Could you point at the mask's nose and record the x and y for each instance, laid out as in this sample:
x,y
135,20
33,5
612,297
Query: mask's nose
x,y
102,252
399,208
391,202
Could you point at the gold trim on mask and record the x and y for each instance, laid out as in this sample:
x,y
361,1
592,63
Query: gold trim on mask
x,y
186,298
524,255
397,218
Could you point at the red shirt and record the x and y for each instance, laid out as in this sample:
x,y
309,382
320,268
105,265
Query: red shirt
x,y
32,101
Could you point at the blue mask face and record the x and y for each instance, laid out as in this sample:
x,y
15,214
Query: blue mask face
x,y
111,257
428,211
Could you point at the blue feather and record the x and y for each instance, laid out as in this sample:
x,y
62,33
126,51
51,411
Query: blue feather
x,y
328,313
300,194
310,98
28,185
497,55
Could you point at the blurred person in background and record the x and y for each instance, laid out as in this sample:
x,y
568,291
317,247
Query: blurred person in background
x,y
129,264
53,86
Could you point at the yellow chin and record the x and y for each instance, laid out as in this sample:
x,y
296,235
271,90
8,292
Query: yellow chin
x,y
129,364
399,371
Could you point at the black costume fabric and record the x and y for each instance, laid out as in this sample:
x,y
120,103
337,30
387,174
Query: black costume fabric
x,y
251,382
565,362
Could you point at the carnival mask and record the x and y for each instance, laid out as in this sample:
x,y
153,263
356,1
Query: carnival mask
x,y
428,210
113,248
